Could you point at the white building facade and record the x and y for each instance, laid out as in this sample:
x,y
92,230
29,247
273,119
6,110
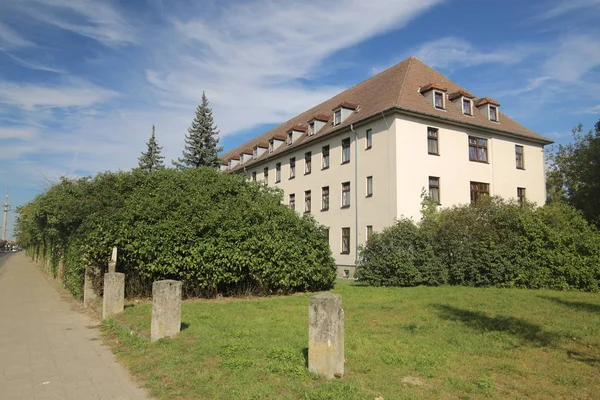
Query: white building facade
x,y
385,142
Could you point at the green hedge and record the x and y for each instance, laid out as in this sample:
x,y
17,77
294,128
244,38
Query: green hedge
x,y
491,243
218,233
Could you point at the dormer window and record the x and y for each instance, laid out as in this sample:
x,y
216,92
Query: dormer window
x,y
271,147
438,100
255,153
493,113
467,106
311,128
290,138
343,111
337,116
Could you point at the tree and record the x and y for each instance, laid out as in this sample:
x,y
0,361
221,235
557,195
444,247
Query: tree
x,y
574,173
151,160
201,142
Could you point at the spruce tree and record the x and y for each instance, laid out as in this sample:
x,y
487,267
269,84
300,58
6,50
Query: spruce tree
x,y
151,160
202,141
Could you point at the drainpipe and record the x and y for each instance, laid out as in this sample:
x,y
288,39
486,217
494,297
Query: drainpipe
x,y
355,194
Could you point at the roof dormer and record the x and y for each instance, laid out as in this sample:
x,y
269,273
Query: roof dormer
x,y
246,155
233,161
317,123
343,111
489,108
294,133
224,166
436,94
275,142
259,149
464,100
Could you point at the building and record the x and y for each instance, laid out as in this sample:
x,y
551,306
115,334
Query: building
x,y
363,158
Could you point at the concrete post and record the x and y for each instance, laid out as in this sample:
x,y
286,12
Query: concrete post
x,y
113,301
326,335
166,309
89,294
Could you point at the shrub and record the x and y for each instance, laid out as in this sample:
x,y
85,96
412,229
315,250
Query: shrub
x,y
218,233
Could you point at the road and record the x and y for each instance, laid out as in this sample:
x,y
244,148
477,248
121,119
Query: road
x,y
47,349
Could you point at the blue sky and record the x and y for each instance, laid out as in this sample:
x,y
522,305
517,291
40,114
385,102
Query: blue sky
x,y
82,81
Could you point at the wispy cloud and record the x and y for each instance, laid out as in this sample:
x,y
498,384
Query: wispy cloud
x,y
35,65
73,94
17,133
595,110
573,57
10,39
98,20
455,52
565,7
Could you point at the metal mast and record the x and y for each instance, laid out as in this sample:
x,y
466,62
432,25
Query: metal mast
x,y
5,209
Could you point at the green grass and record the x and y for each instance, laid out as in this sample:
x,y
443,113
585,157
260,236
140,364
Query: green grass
x,y
464,343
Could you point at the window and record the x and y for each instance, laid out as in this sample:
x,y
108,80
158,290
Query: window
x,y
369,138
434,189
255,153
311,129
521,194
307,201
337,117
478,149
278,172
466,105
494,113
345,240
346,274
439,100
290,138
369,186
293,201
346,151
327,234
325,152
325,198
432,141
307,163
369,231
292,167
346,194
519,157
479,190
254,176
266,175
271,147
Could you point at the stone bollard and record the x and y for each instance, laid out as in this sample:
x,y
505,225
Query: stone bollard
x,y
88,285
166,309
326,335
113,301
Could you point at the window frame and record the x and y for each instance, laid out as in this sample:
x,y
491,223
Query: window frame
x,y
346,193
266,175
441,94
325,157
521,194
345,240
369,186
478,147
476,195
307,163
292,201
292,168
271,145
369,139
278,172
325,198
307,201
495,108
311,128
520,157
434,187
433,138
253,176
346,148
337,117
470,106
369,231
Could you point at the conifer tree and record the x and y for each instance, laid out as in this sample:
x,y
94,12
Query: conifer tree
x,y
202,141
151,160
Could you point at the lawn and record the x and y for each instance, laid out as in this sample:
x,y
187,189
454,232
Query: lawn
x,y
461,343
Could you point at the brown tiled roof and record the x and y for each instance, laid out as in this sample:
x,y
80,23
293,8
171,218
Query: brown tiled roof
x,y
264,145
248,151
486,100
433,85
459,93
232,157
279,137
346,104
298,128
395,89
319,117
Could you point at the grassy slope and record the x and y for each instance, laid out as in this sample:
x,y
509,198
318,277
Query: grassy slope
x,y
464,342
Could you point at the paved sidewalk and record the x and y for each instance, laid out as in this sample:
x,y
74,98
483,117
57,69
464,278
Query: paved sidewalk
x,y
47,350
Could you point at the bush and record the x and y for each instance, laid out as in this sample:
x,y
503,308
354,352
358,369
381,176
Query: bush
x,y
491,243
218,233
